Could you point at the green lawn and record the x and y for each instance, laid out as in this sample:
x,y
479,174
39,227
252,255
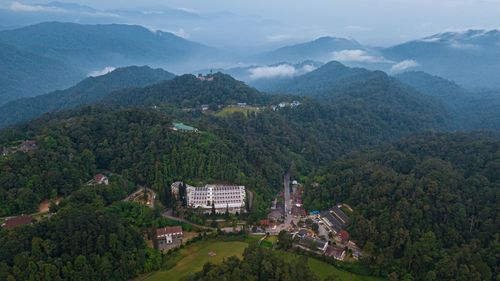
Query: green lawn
x,y
195,256
323,270
230,110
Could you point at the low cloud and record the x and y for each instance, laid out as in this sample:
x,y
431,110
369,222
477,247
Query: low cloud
x,y
279,71
21,7
357,56
404,65
101,72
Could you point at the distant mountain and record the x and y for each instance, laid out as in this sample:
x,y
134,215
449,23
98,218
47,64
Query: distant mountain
x,y
320,49
25,74
188,91
470,58
329,78
470,110
93,47
370,92
87,91
440,88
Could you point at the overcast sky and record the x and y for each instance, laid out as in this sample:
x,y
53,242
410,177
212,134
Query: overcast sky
x,y
376,22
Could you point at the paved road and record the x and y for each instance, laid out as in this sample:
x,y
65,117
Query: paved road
x,y
286,185
139,191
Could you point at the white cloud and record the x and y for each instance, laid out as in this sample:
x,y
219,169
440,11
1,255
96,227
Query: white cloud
x,y
282,70
279,71
357,56
404,65
308,68
20,7
101,72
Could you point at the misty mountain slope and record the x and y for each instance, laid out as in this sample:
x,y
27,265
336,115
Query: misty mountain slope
x,y
471,58
87,91
24,74
470,110
320,49
442,89
93,47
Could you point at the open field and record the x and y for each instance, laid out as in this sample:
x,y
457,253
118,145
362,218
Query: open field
x,y
230,110
195,256
323,270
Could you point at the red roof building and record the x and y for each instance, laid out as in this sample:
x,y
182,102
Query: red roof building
x,y
343,235
17,221
298,211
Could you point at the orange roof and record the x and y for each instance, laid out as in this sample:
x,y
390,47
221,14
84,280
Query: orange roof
x,y
168,230
20,220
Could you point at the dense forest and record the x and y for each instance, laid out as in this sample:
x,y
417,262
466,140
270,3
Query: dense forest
x,y
426,207
85,240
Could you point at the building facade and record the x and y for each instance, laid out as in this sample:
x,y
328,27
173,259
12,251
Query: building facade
x,y
222,198
169,234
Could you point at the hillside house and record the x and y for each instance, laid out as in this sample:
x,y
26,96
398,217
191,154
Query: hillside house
x,y
17,221
169,234
181,127
313,244
98,180
335,252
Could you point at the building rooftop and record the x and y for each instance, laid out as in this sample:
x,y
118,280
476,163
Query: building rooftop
x,y
168,230
333,222
184,127
17,221
340,215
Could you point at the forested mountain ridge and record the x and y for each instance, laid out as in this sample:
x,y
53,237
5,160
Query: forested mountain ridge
x,y
189,91
426,206
25,74
88,91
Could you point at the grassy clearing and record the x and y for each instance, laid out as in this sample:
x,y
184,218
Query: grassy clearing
x,y
323,270
192,259
230,110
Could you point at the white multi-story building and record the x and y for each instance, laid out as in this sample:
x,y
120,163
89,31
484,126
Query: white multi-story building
x,y
222,197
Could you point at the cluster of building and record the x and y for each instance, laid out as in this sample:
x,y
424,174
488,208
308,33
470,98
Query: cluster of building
x,y
24,147
205,78
221,198
334,220
293,104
